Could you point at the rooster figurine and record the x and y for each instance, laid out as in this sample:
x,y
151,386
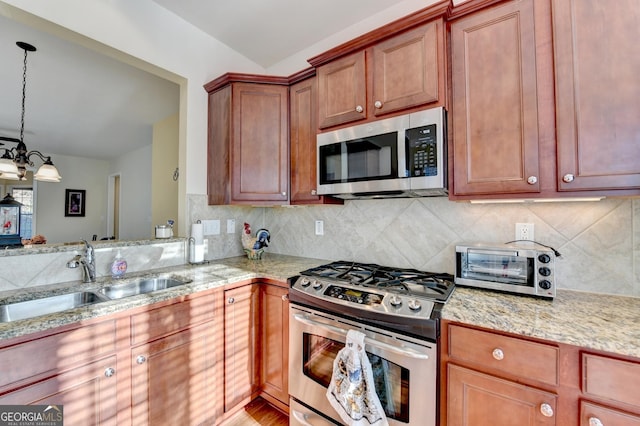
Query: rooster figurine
x,y
254,245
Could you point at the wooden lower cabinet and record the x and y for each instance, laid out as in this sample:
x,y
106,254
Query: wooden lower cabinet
x,y
241,371
87,393
173,378
479,399
274,354
598,415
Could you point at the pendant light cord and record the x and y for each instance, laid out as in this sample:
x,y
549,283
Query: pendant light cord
x,y
24,94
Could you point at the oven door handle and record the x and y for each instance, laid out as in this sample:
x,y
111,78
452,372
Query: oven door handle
x,y
303,318
301,418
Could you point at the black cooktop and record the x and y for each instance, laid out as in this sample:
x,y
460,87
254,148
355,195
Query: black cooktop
x,y
434,286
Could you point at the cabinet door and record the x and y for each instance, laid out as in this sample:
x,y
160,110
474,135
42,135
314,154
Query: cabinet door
x,y
274,356
597,60
260,144
241,378
408,69
494,111
173,378
479,399
87,392
596,415
342,94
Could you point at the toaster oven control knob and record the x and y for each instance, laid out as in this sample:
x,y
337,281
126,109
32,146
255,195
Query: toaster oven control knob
x,y
395,301
544,258
544,271
545,284
304,282
414,305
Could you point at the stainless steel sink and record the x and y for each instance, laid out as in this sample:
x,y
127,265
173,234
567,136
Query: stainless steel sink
x,y
48,305
118,291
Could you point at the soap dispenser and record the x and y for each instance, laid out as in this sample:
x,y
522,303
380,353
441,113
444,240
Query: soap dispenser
x,y
118,267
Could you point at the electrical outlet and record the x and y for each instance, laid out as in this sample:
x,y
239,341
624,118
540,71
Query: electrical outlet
x,y
319,227
524,231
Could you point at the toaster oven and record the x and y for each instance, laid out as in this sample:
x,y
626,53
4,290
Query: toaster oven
x,y
514,268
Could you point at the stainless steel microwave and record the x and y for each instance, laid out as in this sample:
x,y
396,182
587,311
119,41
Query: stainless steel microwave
x,y
403,156
514,268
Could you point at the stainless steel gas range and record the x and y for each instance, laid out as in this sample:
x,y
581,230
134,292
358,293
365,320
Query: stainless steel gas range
x,y
397,309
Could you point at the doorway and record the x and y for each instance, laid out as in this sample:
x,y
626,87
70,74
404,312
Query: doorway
x,y
113,207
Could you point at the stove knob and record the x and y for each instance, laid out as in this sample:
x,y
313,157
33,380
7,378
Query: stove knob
x,y
414,305
304,282
360,300
395,301
317,285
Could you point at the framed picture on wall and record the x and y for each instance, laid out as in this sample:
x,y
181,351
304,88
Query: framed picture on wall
x,y
74,202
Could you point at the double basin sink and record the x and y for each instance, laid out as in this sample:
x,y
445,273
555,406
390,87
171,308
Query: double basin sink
x,y
63,302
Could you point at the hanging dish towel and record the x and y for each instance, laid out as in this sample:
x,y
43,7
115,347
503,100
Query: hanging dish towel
x,y
352,391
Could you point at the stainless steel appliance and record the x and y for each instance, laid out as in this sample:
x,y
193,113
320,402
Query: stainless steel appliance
x,y
403,156
520,268
397,309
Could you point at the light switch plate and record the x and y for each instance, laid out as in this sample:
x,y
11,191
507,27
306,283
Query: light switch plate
x,y
211,227
319,227
231,226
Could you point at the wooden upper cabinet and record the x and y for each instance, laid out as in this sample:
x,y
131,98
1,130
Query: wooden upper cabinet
x,y
400,72
248,157
597,62
494,101
342,90
408,69
302,144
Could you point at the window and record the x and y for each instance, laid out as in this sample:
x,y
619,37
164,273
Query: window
x,y
25,196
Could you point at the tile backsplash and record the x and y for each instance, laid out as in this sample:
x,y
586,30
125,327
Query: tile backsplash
x,y
599,241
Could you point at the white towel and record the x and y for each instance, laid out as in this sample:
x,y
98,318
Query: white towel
x,y
352,391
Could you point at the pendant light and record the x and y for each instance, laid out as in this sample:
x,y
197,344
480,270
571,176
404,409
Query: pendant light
x,y
14,161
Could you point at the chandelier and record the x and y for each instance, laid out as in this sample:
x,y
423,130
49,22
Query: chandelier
x,y
14,161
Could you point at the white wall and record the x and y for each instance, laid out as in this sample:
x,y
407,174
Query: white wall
x,y
77,173
164,160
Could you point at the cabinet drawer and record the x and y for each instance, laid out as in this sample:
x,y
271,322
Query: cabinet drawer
x,y
26,361
529,360
611,378
162,321
590,414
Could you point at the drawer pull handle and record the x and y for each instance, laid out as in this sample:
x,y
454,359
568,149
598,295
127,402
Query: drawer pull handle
x,y
568,178
594,421
359,108
141,359
231,300
532,180
498,354
109,372
546,410
377,104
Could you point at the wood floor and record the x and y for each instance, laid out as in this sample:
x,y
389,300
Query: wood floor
x,y
258,413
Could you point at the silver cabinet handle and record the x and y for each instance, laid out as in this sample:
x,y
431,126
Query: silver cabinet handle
x,y
313,192
231,301
387,347
284,194
359,108
498,354
285,297
532,180
568,178
109,372
377,104
141,359
546,410
594,421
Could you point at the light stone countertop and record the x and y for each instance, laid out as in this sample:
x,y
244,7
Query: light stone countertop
x,y
597,321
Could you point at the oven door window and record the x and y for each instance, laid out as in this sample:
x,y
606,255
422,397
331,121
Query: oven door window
x,y
371,158
391,380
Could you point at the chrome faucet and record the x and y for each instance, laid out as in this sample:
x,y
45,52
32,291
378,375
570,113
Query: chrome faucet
x,y
87,261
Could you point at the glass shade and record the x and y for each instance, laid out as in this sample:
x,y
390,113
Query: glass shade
x,y
8,166
9,176
47,173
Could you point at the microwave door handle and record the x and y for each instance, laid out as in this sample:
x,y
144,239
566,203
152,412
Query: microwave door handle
x,y
387,347
493,252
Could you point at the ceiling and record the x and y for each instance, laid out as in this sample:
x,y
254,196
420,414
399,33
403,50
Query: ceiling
x,y
82,103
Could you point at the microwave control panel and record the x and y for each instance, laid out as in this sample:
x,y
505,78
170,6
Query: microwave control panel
x,y
422,151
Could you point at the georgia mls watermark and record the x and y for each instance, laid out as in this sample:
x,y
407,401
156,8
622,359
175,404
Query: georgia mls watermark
x,y
31,415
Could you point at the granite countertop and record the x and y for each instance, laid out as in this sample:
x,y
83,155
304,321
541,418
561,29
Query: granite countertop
x,y
202,277
596,321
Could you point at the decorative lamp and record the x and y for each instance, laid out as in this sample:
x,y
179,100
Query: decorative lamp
x,y
10,210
